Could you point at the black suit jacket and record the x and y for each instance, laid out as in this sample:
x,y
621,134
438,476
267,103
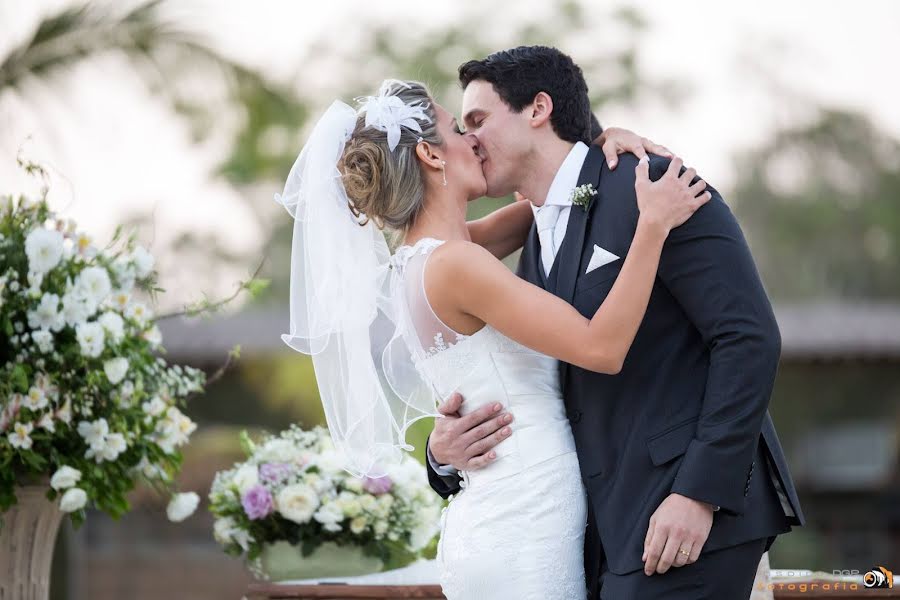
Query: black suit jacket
x,y
688,413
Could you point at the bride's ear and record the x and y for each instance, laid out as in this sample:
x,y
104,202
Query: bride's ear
x,y
426,154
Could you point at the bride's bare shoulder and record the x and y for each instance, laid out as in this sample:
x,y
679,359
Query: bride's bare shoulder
x,y
457,256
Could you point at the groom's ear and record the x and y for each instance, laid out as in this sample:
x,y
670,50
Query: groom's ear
x,y
541,109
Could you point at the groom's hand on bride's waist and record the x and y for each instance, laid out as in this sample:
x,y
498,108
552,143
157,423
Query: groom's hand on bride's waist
x,y
677,532
467,441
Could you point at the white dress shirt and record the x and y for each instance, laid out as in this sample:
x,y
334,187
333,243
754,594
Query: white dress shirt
x,y
560,194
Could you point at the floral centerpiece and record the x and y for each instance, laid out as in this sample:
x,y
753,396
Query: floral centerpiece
x,y
88,405
295,512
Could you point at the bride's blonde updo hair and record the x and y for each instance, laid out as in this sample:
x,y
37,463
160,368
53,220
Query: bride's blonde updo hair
x,y
383,185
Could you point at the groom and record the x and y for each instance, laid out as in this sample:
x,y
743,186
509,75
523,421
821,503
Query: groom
x,y
678,453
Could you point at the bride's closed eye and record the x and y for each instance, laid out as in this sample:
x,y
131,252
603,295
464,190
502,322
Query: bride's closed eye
x,y
458,129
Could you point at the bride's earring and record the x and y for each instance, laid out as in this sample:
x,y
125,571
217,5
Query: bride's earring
x,y
444,171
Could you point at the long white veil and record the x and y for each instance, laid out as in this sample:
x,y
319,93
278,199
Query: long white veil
x,y
346,306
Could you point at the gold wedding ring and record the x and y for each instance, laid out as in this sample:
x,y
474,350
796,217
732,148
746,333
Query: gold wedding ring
x,y
685,552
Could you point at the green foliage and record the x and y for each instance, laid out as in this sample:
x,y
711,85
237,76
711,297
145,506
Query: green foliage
x,y
819,204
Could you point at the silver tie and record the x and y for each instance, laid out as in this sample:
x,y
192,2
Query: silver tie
x,y
546,219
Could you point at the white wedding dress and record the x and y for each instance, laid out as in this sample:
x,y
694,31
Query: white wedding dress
x,y
516,529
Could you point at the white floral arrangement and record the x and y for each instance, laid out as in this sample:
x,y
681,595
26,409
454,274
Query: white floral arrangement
x,y
293,488
86,399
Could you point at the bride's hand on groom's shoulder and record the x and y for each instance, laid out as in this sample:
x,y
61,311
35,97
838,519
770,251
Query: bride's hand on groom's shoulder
x,y
678,530
467,441
615,140
669,201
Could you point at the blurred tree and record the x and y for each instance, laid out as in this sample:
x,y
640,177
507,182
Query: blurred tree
x,y
604,44
162,51
819,205
174,62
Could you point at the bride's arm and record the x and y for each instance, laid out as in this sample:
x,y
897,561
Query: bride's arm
x,y
481,286
504,231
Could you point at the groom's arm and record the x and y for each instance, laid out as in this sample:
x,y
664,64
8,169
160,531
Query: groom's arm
x,y
707,266
443,480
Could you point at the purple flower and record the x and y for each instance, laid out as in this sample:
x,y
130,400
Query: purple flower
x,y
377,485
257,502
274,473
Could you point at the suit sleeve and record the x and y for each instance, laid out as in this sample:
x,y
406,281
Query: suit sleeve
x,y
707,266
443,485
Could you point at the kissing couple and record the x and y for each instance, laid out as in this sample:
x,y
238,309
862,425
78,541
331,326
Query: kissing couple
x,y
602,423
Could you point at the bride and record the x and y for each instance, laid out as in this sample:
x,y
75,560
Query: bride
x,y
390,335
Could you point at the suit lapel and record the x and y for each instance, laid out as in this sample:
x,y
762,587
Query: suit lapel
x,y
533,270
572,247
573,242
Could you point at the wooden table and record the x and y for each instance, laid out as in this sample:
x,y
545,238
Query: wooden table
x,y
782,591
274,591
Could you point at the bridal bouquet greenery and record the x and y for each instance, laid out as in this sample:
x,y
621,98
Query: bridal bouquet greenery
x,y
293,488
86,400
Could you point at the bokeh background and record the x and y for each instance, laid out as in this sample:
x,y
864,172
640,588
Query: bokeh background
x,y
183,118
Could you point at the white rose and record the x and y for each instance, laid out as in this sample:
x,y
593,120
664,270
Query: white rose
x,y
46,315
124,271
246,477
44,340
94,433
153,336
74,499
44,248
90,337
115,369
297,502
94,284
358,525
138,311
278,450
330,516
115,445
350,506
223,529
331,461
354,484
155,407
65,477
143,261
75,310
113,324
181,506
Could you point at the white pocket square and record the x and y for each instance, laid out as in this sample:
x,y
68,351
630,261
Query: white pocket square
x,y
599,258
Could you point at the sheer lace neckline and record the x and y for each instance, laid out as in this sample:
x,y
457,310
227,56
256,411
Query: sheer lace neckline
x,y
403,253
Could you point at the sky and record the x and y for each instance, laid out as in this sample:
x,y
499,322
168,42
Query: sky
x,y
751,67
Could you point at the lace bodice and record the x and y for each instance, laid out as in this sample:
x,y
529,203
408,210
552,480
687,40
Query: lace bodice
x,y
434,336
485,366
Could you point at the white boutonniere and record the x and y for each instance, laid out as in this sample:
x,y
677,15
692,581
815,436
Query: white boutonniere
x,y
583,195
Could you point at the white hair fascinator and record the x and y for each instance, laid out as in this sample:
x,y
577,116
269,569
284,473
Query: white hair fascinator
x,y
389,113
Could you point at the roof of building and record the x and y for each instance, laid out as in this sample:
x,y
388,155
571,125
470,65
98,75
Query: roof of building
x,y
825,331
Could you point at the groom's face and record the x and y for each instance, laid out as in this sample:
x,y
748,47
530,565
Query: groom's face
x,y
503,136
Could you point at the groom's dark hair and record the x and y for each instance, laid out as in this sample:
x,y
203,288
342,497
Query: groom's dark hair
x,y
520,73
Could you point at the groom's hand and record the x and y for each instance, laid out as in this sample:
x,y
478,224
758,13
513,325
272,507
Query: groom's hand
x,y
467,442
679,523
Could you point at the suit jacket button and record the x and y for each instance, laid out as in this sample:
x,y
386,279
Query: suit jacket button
x,y
575,416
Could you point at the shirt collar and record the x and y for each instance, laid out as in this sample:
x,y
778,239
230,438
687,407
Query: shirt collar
x,y
560,192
